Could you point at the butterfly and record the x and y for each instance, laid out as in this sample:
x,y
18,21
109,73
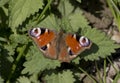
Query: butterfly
x,y
58,45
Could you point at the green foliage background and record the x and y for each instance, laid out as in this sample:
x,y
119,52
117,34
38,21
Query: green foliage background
x,y
20,59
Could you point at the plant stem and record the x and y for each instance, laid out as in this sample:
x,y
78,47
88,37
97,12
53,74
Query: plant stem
x,y
98,72
112,65
15,63
43,12
87,75
115,11
104,71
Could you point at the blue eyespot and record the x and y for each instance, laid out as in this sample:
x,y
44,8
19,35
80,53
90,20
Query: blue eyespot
x,y
85,42
35,32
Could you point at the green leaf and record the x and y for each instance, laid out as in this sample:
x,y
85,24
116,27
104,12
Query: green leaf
x,y
3,2
17,38
76,60
50,22
23,79
101,48
36,62
3,39
64,77
72,19
34,78
102,45
1,80
65,7
77,20
21,9
31,79
14,41
10,48
78,1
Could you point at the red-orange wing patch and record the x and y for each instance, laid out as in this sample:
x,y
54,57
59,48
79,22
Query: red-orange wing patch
x,y
45,38
73,44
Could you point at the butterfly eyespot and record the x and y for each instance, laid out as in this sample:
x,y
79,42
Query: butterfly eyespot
x,y
45,47
35,32
70,52
84,41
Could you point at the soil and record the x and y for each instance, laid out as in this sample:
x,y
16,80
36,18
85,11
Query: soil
x,y
97,13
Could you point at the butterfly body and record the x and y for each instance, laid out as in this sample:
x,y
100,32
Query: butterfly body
x,y
61,46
